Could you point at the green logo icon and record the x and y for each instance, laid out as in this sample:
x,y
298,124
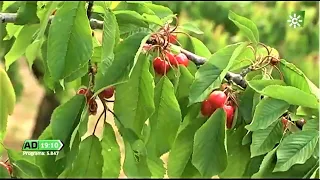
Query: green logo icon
x,y
42,145
296,19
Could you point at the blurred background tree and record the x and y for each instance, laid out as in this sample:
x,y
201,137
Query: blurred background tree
x,y
297,45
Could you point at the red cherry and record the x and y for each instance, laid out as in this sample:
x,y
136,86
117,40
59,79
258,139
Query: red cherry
x,y
182,59
206,108
85,92
173,38
284,122
7,166
173,61
160,66
93,107
230,112
107,93
82,91
217,99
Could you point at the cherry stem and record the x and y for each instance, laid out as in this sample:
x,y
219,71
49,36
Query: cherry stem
x,y
105,107
281,75
176,26
116,117
96,125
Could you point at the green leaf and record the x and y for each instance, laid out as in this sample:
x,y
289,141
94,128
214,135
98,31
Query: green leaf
x,y
247,138
315,167
183,89
190,171
191,27
76,74
209,149
110,39
260,84
71,156
135,105
311,124
199,48
246,26
264,140
16,155
152,19
297,148
295,77
96,57
160,11
111,153
243,60
246,104
210,75
135,163
139,2
89,162
166,118
50,168
267,111
291,95
48,80
7,103
12,30
126,55
20,45
156,167
4,173
238,155
128,20
266,164
296,171
253,166
69,40
24,169
33,49
180,153
27,13
83,125
66,117
130,17
315,174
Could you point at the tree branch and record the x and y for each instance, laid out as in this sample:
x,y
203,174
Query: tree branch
x,y
11,18
198,60
230,76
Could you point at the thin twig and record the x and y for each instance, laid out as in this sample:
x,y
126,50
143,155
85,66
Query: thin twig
x,y
96,125
12,17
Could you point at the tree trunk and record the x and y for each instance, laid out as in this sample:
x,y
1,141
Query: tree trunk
x,y
48,104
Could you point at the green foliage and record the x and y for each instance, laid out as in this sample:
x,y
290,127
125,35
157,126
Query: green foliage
x,y
69,29
246,26
8,100
135,105
210,75
211,131
155,114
